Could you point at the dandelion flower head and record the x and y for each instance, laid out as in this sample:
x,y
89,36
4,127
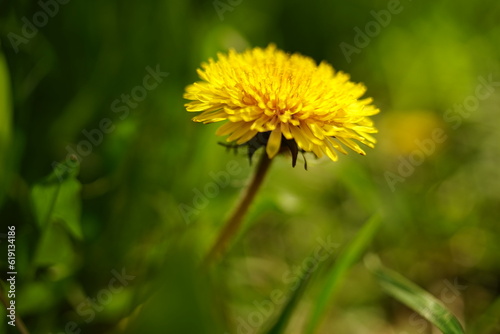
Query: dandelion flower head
x,y
287,99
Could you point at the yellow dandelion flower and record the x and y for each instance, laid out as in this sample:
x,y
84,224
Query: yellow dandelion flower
x,y
287,99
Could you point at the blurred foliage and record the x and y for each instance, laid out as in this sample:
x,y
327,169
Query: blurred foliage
x,y
107,249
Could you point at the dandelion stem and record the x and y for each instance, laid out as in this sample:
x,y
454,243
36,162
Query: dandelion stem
x,y
236,219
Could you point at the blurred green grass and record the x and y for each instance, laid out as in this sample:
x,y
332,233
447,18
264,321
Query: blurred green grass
x,y
439,225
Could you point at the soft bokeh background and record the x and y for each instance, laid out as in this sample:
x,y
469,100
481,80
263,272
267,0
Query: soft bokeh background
x,y
148,208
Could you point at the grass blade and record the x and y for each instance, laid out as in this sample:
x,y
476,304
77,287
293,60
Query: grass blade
x,y
280,324
345,260
489,321
414,297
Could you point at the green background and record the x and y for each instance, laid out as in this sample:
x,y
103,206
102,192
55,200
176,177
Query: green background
x,y
126,208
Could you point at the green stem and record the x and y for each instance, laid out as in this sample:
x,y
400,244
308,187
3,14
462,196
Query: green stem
x,y
236,219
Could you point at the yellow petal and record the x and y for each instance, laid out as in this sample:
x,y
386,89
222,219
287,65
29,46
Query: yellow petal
x,y
317,151
285,129
259,123
238,133
307,132
331,142
352,145
274,143
330,152
246,137
228,128
300,139
211,117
